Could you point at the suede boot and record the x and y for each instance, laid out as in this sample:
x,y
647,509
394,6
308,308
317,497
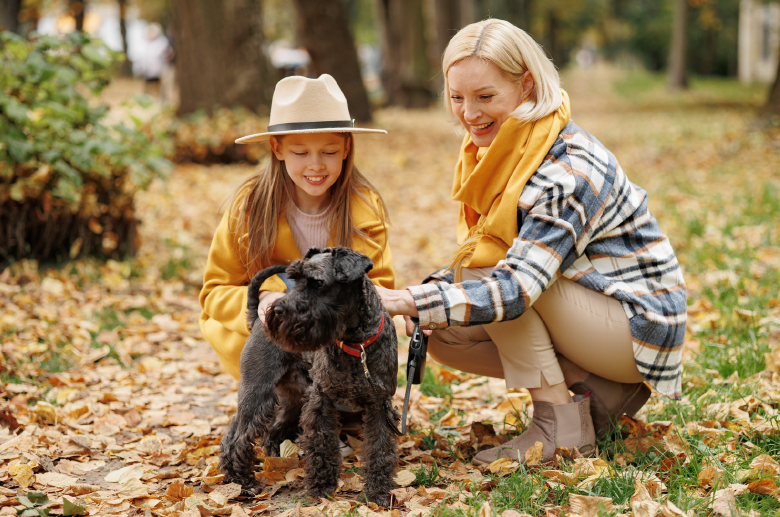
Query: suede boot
x,y
555,425
610,400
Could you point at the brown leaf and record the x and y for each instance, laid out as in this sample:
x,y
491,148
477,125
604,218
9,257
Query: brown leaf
x,y
669,509
81,489
279,464
725,503
351,482
645,508
764,465
763,486
588,506
178,490
534,454
710,476
405,478
231,490
640,492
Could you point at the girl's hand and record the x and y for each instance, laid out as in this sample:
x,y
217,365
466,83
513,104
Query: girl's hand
x,y
266,299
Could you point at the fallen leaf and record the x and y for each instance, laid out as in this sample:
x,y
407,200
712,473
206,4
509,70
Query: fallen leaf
x,y
22,474
589,506
645,508
279,464
534,454
288,450
405,478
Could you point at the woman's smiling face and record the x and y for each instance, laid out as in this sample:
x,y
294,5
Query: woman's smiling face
x,y
483,98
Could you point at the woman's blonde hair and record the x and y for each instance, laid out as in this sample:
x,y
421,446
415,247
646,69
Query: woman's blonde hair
x,y
260,199
514,52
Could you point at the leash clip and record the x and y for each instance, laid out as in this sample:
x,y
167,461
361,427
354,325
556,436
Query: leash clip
x,y
363,360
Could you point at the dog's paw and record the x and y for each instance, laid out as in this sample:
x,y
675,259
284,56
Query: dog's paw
x,y
251,489
380,499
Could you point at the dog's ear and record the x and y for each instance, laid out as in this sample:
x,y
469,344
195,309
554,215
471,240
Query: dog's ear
x,y
349,265
313,251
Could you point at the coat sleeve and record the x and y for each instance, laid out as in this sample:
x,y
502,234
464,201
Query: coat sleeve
x,y
224,294
554,231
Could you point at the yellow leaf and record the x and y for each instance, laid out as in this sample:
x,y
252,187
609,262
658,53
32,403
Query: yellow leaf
x,y
534,454
22,474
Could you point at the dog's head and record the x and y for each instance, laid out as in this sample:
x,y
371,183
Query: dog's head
x,y
325,301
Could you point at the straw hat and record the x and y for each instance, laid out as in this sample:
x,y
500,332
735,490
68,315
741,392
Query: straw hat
x,y
302,105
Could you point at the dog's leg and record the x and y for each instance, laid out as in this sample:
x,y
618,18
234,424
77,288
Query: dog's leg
x,y
379,456
262,366
291,391
320,444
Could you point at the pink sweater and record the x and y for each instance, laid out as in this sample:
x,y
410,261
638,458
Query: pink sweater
x,y
309,231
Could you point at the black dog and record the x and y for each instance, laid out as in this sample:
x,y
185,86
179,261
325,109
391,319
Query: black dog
x,y
294,368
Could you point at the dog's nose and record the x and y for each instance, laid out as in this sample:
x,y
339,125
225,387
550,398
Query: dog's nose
x,y
278,310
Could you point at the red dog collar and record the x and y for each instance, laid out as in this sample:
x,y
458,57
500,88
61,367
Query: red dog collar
x,y
354,349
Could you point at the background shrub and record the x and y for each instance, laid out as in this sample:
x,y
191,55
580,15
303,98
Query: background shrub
x,y
67,178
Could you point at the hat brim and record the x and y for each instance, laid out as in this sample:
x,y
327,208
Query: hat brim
x,y
262,137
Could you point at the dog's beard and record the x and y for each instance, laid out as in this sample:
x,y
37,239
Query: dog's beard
x,y
321,327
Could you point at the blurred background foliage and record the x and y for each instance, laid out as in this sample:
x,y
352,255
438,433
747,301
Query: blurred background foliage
x,y
218,62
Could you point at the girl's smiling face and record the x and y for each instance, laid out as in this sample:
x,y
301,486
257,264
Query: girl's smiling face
x,y
483,98
313,162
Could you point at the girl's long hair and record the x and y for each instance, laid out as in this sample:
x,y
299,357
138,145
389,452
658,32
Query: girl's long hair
x,y
259,200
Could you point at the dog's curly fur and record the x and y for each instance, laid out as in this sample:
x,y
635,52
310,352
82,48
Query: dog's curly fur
x,y
292,373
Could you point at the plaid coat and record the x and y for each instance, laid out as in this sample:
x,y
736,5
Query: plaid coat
x,y
579,216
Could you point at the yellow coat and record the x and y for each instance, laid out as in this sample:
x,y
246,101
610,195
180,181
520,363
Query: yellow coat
x,y
224,294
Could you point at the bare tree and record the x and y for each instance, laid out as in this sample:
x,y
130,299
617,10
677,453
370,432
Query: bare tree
x,y
771,110
677,78
324,31
9,15
77,8
126,65
219,57
407,75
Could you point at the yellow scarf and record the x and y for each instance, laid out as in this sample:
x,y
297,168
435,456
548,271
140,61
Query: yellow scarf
x,y
488,185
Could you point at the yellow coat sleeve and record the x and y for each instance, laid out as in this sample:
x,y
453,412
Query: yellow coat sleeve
x,y
223,298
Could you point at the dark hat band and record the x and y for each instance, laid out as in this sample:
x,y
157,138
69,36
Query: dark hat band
x,y
300,126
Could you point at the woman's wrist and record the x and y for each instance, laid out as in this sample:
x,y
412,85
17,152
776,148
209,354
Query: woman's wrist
x,y
398,302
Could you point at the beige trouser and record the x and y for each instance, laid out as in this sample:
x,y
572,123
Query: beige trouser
x,y
588,328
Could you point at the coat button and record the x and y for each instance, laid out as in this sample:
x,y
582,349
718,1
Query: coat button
x,y
432,326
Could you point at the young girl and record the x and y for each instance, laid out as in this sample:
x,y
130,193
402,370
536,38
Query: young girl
x,y
310,195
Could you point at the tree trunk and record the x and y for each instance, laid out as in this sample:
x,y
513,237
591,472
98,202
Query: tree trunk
x,y
219,57
9,15
324,31
518,12
678,79
448,22
406,71
77,8
126,65
771,111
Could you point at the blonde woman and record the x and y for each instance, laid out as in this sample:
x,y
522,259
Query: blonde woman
x,y
564,280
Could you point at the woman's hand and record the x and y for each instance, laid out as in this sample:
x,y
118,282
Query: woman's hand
x,y
266,299
400,302
397,302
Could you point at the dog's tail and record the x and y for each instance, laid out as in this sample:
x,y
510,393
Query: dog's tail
x,y
253,300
